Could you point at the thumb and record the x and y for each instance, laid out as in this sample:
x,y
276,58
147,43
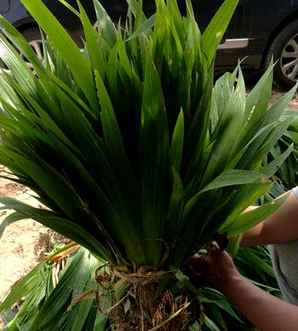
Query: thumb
x,y
214,250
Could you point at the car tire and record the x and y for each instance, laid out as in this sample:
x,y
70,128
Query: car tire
x,y
33,36
284,51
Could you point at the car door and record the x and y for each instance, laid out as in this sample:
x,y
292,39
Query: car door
x,y
4,6
237,34
240,25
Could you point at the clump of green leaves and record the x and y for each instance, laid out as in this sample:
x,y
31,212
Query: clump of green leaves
x,y
135,154
288,173
59,294
287,176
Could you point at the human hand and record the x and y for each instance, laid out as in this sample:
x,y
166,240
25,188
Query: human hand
x,y
216,269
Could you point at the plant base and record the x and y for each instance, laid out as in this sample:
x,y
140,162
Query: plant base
x,y
143,311
144,306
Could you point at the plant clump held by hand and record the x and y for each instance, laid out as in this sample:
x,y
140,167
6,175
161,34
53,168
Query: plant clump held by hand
x,y
137,156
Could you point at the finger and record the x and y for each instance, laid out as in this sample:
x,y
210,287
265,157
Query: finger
x,y
215,246
222,241
199,264
214,249
195,265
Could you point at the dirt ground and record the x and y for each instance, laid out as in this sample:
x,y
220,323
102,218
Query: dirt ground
x,y
279,92
23,243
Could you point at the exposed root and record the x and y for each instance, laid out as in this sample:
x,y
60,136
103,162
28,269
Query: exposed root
x,y
145,307
172,314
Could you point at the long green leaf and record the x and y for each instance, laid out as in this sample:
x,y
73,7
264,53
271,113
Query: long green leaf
x,y
71,53
251,218
215,30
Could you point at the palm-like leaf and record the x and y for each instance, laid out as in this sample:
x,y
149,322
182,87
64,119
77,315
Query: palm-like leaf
x,y
58,294
130,148
55,293
288,172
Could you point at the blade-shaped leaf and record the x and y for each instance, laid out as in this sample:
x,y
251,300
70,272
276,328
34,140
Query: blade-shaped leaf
x,y
214,32
253,217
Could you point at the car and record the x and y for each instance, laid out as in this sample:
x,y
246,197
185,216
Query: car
x,y
259,31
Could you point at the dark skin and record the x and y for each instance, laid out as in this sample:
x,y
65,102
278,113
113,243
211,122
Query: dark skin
x,y
265,311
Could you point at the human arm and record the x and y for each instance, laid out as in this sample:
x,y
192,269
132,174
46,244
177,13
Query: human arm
x,y
280,228
266,312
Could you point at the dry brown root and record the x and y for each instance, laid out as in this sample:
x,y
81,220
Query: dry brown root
x,y
143,309
147,313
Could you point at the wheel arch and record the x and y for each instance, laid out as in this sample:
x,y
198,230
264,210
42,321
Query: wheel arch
x,y
286,21
25,23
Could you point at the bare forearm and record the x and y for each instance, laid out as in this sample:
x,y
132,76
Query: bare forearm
x,y
254,237
266,312
280,228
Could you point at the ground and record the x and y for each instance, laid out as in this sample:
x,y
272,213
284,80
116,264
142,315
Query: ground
x,y
23,243
279,92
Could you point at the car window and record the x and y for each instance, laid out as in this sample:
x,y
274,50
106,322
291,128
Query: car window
x,y
240,24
